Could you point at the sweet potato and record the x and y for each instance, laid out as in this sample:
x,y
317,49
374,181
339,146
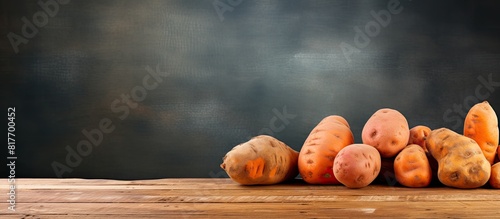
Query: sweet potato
x,y
495,176
261,160
320,148
418,134
461,163
388,131
411,167
497,159
481,124
357,165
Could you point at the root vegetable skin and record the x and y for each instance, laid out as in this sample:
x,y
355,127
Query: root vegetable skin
x,y
498,153
461,163
357,165
412,168
418,135
481,124
260,161
320,148
495,176
388,131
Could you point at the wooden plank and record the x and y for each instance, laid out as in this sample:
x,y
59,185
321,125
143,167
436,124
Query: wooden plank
x,y
254,210
168,182
225,184
221,184
222,196
214,198
101,216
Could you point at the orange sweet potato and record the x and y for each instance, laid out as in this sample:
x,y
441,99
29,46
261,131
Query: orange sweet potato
x,y
495,176
412,168
320,148
481,124
418,134
498,153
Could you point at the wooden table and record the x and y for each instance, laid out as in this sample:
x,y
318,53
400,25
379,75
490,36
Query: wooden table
x,y
216,198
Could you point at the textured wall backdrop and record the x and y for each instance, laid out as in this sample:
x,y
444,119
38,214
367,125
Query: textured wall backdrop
x,y
150,89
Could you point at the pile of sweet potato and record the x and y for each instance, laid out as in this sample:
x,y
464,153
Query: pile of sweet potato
x,y
416,157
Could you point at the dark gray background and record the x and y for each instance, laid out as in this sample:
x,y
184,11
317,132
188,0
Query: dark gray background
x,y
226,79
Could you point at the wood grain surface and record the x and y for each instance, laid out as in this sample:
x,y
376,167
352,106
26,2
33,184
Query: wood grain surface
x,y
216,198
